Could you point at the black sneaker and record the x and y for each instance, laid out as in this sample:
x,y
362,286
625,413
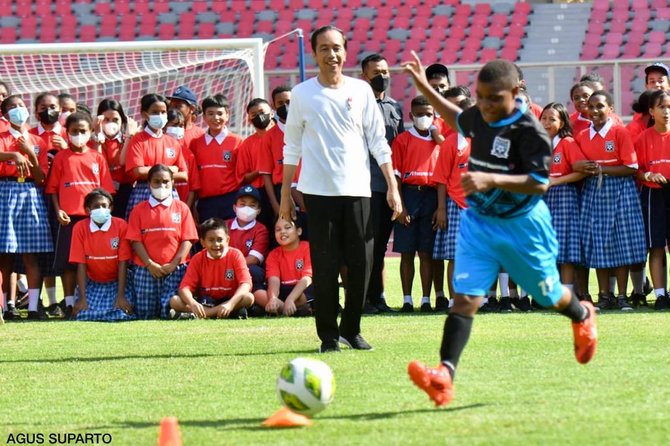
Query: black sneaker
x,y
606,302
36,316
384,308
256,311
22,301
662,303
647,289
54,310
329,347
242,313
181,315
12,313
622,304
522,304
368,308
441,304
490,307
426,308
355,342
638,299
68,312
407,308
505,305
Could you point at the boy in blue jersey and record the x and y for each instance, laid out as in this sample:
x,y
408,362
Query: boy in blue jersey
x,y
506,225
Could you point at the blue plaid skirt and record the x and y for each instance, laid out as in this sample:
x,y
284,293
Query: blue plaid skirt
x,y
445,240
100,298
23,219
141,192
152,296
563,205
612,230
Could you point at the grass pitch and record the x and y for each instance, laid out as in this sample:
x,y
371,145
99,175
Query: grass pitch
x,y
518,381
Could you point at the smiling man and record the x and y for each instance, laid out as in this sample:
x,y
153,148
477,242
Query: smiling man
x,y
333,125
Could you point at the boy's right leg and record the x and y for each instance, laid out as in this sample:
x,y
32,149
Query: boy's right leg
x,y
406,280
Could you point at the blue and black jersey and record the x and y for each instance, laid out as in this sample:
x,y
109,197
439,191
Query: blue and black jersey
x,y
516,145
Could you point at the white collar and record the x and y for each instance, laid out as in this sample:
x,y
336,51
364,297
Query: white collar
x,y
236,225
57,128
104,228
281,126
103,137
415,133
150,131
603,131
153,202
219,138
462,142
225,251
581,118
555,141
16,134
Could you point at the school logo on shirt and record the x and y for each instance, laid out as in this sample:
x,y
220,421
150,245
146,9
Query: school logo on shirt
x,y
230,274
176,217
95,167
609,146
557,158
227,155
114,243
170,153
501,147
36,149
299,264
248,243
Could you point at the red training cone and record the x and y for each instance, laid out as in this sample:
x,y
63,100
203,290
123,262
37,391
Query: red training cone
x,y
169,432
286,418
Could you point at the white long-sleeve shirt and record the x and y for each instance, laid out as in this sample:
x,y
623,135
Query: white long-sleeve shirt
x,y
332,130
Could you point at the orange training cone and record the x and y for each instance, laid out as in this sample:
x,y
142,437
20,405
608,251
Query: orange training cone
x,y
286,418
169,432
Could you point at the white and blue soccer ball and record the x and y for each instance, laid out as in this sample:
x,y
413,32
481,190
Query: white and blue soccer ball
x,y
306,386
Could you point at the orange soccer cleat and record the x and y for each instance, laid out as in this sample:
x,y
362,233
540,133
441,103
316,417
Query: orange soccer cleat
x,y
586,335
436,382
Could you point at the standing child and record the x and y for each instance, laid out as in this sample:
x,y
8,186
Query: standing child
x,y
75,173
562,197
101,252
507,225
414,158
187,190
289,274
653,153
611,218
185,101
217,283
161,231
68,105
24,228
580,94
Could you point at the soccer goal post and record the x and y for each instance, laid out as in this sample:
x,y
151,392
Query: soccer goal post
x,y
125,71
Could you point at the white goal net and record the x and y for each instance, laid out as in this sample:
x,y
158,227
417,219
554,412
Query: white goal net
x,y
125,71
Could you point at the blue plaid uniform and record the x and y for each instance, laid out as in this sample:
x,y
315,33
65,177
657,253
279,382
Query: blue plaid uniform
x,y
564,208
100,298
152,296
24,227
612,230
142,192
445,240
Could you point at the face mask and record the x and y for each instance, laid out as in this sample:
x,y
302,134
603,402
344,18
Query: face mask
x,y
380,83
246,213
111,129
80,139
62,118
18,116
261,121
48,116
177,132
161,193
422,122
157,122
282,112
101,215
442,91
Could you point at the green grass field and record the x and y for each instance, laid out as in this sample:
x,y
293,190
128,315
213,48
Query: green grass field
x,y
518,382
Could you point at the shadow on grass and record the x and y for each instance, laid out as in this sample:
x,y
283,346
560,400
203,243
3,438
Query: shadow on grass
x,y
165,356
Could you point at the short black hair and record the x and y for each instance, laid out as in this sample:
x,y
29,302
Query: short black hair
x,y
656,97
5,103
84,108
325,29
256,101
467,103
563,115
499,71
643,103
64,96
79,116
174,114
458,90
216,101
150,99
280,89
593,76
95,194
587,84
606,94
211,224
419,101
159,168
374,57
40,97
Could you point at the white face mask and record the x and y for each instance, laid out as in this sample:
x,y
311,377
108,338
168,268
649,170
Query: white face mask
x,y
162,192
63,117
18,115
101,215
157,122
177,132
422,122
246,213
80,139
111,128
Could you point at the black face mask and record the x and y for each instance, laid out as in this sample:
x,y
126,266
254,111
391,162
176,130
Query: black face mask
x,y
380,83
48,116
282,112
261,121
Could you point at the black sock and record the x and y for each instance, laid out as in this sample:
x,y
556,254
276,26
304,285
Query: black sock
x,y
575,310
456,333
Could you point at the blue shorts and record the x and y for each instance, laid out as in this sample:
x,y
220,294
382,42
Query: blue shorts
x,y
418,235
524,246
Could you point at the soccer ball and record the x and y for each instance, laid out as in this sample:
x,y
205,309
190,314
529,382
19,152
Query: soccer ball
x,y
306,386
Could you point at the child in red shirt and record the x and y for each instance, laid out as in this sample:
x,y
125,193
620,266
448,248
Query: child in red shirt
x,y
217,283
216,156
74,173
52,132
101,251
161,231
186,189
185,101
289,274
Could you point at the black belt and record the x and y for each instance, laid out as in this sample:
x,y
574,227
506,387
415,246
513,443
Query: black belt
x,y
16,180
419,188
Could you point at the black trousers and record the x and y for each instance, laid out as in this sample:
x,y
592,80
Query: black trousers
x,y
382,225
340,233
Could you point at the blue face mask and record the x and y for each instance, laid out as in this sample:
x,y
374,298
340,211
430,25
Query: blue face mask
x,y
157,122
101,215
18,116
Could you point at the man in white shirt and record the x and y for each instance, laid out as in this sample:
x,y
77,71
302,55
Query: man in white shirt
x,y
333,125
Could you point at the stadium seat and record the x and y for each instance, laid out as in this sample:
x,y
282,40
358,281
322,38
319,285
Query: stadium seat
x,y
142,8
663,13
516,30
468,56
601,5
148,26
8,35
496,31
522,7
488,54
499,19
618,26
166,31
479,20
160,7
264,26
197,7
657,37
611,51
88,33
108,24
631,50
483,9
652,49
614,38
29,27
122,7
509,53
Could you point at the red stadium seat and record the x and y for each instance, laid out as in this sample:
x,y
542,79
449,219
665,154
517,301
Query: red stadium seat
x,y
63,7
47,29
519,19
141,7
457,32
197,7
463,9
148,26
8,34
598,16
663,13
631,50
499,19
488,54
88,33
29,27
601,5
264,26
122,7
513,42
522,7
657,37
108,24
462,21
509,53
611,51
159,7
480,20
652,50
496,31
516,30
483,9
614,38
468,56
166,31
589,52
472,43
618,26
441,22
